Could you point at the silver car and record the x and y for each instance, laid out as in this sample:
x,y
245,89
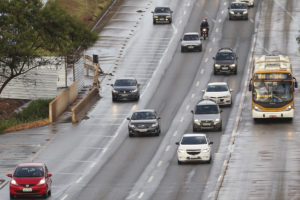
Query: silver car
x,y
191,42
238,10
207,116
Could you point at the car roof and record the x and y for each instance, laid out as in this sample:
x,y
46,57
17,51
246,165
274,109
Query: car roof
x,y
218,83
162,7
126,78
191,33
145,110
238,2
206,102
30,164
193,134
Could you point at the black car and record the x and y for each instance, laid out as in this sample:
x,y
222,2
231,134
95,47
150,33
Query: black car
x,y
225,61
126,88
162,15
238,10
144,122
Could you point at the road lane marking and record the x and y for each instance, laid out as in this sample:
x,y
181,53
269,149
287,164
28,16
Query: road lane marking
x,y
206,60
201,71
78,180
214,39
141,195
217,30
175,133
182,119
159,163
93,164
64,197
104,150
198,83
187,107
220,20
210,49
150,179
193,95
168,148
222,11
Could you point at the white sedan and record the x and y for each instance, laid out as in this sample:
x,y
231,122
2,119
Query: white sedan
x,y
218,92
191,42
250,3
194,147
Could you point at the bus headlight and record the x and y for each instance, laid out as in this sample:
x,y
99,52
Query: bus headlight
x,y
257,108
290,107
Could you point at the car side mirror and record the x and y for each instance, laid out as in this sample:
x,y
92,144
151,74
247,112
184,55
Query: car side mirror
x,y
171,11
237,57
177,143
111,85
158,117
202,90
214,58
231,90
221,110
296,84
192,111
250,86
152,11
128,118
210,143
9,175
49,175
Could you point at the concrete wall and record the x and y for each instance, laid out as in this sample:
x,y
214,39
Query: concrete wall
x,y
83,106
62,101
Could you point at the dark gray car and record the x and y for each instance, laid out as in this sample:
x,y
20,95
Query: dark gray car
x,y
125,89
225,61
238,10
207,115
162,15
144,122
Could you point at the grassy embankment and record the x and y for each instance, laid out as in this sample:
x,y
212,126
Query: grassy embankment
x,y
86,11
36,110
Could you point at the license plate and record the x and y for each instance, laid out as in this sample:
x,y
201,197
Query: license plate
x,y
272,116
225,68
161,19
124,95
206,124
190,47
27,189
142,130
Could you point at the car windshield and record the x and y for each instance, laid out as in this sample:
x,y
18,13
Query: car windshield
x,y
162,10
29,171
191,37
207,109
225,56
125,82
193,140
239,6
143,115
272,91
217,88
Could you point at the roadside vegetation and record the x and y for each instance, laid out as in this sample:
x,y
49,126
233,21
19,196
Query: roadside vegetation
x,y
86,11
36,110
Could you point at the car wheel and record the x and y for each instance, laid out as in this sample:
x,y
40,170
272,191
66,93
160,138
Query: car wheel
x,y
200,49
130,135
235,72
12,196
138,98
154,22
182,49
215,72
230,18
114,99
170,21
220,128
194,129
179,162
209,161
45,195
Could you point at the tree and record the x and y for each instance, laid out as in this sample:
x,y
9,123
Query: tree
x,y
30,33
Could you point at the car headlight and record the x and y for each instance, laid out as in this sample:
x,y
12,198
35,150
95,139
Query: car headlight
x,y
217,66
168,17
231,12
205,97
180,151
13,182
216,121
205,150
196,121
155,124
114,91
245,12
42,181
133,91
155,16
184,45
232,65
257,108
131,125
228,96
288,108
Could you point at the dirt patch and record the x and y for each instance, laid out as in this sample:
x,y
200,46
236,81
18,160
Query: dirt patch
x,y
8,106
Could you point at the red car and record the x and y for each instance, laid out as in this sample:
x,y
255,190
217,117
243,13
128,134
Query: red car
x,y
30,179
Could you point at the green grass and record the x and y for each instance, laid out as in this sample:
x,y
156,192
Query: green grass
x,y
36,110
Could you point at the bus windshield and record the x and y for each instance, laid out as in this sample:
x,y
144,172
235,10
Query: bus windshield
x,y
272,91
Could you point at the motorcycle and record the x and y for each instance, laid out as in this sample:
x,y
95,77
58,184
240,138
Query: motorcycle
x,y
204,33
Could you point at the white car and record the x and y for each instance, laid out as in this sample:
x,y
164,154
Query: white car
x,y
218,92
250,3
194,147
191,42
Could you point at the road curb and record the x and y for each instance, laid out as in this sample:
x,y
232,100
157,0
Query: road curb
x,y
238,119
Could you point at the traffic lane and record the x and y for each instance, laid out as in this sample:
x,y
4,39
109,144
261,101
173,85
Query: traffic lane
x,y
241,43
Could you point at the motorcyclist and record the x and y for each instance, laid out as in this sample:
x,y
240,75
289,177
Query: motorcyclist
x,y
204,24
